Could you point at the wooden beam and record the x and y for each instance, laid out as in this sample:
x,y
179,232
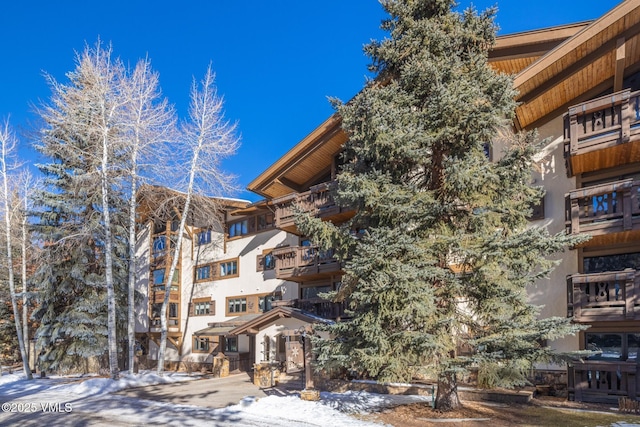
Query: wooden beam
x,y
567,72
289,184
592,93
624,12
175,343
619,66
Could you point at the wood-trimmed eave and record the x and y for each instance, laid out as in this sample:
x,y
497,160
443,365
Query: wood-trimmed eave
x,y
583,66
151,197
302,163
252,327
514,52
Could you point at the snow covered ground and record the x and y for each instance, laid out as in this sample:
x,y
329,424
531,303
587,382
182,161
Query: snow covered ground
x,y
62,401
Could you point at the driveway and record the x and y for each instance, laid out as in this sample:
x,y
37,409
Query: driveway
x,y
209,393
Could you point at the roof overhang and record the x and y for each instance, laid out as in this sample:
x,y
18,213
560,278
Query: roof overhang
x,y
160,203
225,328
513,53
307,161
592,62
273,316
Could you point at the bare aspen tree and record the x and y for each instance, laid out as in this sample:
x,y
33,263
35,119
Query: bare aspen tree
x,y
150,121
206,137
7,149
26,183
107,75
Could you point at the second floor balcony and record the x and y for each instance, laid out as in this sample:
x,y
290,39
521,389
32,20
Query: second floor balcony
x,y
609,212
317,201
318,306
298,263
603,132
606,296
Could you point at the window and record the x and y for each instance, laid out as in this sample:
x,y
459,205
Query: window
x,y
249,225
155,310
203,273
231,345
200,344
229,268
203,237
618,262
314,292
613,346
264,303
173,309
158,280
159,244
158,277
237,305
202,307
266,261
239,228
265,221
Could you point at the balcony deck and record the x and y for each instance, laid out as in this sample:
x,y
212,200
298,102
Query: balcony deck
x,y
317,201
610,212
608,296
298,263
318,306
603,381
603,133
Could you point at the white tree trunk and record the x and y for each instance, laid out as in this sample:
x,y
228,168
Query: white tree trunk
x,y
6,145
25,299
174,263
131,319
108,248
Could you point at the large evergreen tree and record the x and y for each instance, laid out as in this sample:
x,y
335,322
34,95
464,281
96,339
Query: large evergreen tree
x,y
427,196
81,219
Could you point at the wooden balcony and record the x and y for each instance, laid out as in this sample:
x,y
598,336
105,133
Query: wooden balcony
x,y
608,212
608,296
603,381
318,306
317,201
602,133
298,263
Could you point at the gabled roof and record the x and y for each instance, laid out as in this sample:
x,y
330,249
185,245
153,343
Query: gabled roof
x,y
273,315
308,160
589,63
513,53
554,68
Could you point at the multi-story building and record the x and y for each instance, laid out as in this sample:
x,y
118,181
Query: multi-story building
x,y
579,87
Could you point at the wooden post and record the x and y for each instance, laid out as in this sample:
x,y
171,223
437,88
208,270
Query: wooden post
x,y
573,131
575,216
627,209
308,369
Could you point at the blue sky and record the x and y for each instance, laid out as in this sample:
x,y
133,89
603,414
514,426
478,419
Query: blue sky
x,y
276,61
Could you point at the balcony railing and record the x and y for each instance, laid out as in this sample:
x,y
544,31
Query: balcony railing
x,y
604,209
318,306
603,381
612,295
298,262
317,201
601,124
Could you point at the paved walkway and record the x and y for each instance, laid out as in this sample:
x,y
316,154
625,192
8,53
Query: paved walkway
x,y
208,393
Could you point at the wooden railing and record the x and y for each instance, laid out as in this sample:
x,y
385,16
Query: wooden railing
x,y
612,295
294,261
317,201
318,306
602,381
602,122
603,209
